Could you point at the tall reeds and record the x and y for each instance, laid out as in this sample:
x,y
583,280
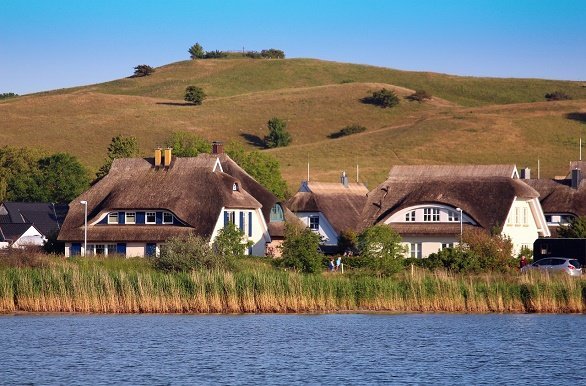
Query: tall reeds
x,y
134,288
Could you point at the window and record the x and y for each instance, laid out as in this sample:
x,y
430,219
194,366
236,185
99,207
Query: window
x,y
100,249
314,223
235,187
517,216
229,217
90,250
415,249
113,218
431,214
151,218
453,216
525,217
277,213
130,218
168,218
447,245
548,218
111,249
410,216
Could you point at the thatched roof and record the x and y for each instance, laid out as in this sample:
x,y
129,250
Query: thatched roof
x,y
487,200
465,171
558,196
189,188
341,205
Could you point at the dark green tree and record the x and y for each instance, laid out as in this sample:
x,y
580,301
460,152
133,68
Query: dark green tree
x,y
301,250
195,95
6,95
62,178
273,53
19,174
381,247
143,70
575,230
557,96
187,144
120,147
229,242
187,253
263,167
196,51
383,98
278,135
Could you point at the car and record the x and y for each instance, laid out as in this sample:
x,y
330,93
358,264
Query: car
x,y
556,264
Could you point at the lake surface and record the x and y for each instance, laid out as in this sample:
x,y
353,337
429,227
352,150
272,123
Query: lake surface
x,y
288,349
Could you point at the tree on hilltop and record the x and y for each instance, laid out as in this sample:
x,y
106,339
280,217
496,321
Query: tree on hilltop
x,y
143,70
196,51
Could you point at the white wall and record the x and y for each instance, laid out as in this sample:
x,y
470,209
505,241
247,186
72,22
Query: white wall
x,y
522,224
326,231
260,235
29,238
429,244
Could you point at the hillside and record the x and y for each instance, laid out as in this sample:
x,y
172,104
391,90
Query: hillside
x,y
473,120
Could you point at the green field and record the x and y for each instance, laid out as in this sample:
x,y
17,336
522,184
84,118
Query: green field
x,y
470,120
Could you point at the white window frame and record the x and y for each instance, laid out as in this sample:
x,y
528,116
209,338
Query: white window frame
x,y
410,216
90,250
311,226
231,216
235,187
167,214
129,214
517,216
431,214
453,216
525,217
110,216
415,250
146,218
447,245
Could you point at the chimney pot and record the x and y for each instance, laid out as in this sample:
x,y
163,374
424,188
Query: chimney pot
x,y
217,147
576,178
168,157
158,155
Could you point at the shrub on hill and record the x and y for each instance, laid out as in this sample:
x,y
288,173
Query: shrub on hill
x,y
419,96
273,53
187,144
143,70
196,51
383,98
195,95
557,96
215,54
278,135
253,54
6,95
348,130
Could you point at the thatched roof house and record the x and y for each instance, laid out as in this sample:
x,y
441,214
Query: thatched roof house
x,y
425,204
329,208
143,201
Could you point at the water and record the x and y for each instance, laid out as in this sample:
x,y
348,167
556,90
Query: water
x,y
288,349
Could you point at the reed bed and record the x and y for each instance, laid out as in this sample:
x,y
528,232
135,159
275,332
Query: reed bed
x,y
114,288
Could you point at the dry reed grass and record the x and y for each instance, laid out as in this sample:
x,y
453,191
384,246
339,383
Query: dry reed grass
x,y
95,288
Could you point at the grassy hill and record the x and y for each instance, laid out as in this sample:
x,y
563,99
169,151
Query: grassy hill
x,y
470,120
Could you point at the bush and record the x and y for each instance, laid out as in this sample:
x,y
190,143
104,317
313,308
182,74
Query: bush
x,y
215,54
195,95
143,70
300,250
187,144
6,95
347,241
253,54
228,243
196,51
419,96
575,230
557,96
383,98
272,53
187,253
278,135
348,130
381,246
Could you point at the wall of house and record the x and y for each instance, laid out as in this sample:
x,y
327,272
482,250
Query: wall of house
x,y
260,235
522,224
4,244
326,231
135,249
29,238
429,244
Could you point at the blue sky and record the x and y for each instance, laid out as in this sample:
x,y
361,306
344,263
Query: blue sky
x,y
60,43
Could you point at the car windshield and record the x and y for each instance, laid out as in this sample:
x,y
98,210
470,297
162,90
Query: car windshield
x,y
542,262
557,261
576,263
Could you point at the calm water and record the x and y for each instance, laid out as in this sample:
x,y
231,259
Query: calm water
x,y
286,349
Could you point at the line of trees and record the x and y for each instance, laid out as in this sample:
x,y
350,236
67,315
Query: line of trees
x,y
196,51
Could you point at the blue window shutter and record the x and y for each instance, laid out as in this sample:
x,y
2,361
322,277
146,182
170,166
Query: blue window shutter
x,y
121,218
250,251
226,218
159,217
242,221
250,224
121,248
75,249
140,217
151,249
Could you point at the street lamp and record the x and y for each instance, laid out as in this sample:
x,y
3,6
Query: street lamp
x,y
84,203
460,211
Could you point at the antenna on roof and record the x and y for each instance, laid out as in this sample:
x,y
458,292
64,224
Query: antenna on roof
x,y
538,169
580,147
307,167
357,174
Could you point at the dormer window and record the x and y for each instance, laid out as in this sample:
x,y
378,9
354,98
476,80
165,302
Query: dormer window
x,y
277,213
167,218
113,218
130,218
235,187
410,216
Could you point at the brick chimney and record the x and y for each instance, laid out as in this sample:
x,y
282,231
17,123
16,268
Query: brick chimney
x,y
217,147
576,178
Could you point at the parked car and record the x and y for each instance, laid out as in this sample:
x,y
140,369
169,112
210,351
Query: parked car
x,y
556,264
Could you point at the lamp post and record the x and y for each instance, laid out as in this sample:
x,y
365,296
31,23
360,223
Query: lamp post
x,y
84,203
460,211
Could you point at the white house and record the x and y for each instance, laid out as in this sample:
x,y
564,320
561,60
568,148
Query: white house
x,y
329,208
430,206
20,235
142,202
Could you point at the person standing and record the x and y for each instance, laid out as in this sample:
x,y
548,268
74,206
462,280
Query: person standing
x,y
338,262
331,264
522,262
